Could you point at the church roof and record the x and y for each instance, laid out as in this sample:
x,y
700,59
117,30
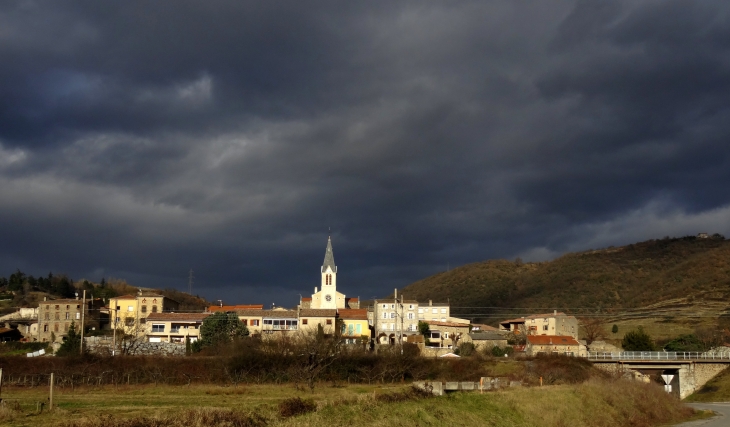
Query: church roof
x,y
329,257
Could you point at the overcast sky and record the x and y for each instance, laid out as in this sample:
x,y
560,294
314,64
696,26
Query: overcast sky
x,y
139,140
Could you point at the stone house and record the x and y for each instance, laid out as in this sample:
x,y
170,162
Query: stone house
x,y
553,345
487,340
447,334
56,316
542,324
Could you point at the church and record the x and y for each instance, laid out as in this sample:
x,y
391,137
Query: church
x,y
328,297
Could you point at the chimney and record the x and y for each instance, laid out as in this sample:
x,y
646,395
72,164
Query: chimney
x,y
45,298
430,302
555,312
395,293
315,289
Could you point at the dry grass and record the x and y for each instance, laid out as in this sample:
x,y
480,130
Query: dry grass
x,y
595,403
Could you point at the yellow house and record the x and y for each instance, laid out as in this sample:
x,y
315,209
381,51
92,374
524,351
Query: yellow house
x,y
129,312
252,318
355,327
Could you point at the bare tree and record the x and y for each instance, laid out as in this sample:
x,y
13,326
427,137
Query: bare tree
x,y
315,351
593,329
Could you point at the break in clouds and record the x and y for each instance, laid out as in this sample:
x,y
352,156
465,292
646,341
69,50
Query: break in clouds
x,y
139,140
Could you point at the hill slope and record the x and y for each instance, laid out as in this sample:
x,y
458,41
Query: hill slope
x,y
599,281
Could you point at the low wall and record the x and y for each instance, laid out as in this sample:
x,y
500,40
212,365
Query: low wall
x,y
104,345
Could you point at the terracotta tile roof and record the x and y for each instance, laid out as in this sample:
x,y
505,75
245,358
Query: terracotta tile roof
x,y
353,313
487,336
306,298
448,324
483,327
314,312
125,297
551,340
180,317
215,308
353,299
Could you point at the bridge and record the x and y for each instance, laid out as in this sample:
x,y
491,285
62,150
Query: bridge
x,y
683,373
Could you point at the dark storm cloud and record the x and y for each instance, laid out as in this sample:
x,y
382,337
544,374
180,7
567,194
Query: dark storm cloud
x,y
141,139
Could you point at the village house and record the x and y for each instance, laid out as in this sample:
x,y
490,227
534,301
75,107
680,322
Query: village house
x,y
355,325
447,334
537,345
542,324
56,316
174,327
129,312
487,340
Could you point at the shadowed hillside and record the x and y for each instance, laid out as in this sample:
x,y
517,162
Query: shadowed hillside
x,y
606,281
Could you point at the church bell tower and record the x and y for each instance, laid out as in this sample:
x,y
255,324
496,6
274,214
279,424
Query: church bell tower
x,y
329,278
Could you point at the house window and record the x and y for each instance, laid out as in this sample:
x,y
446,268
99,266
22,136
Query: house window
x,y
143,320
385,306
67,307
45,328
385,315
434,310
130,308
144,309
420,310
410,316
56,307
48,307
446,335
350,329
544,327
392,315
78,307
55,327
244,321
305,321
78,316
255,322
443,311
410,306
119,308
48,316
154,309
443,319
129,321
68,315
358,328
57,316
329,321
158,327
65,327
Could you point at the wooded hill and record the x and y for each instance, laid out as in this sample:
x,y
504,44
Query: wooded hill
x,y
609,280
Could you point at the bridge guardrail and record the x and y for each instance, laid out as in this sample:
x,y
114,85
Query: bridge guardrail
x,y
658,355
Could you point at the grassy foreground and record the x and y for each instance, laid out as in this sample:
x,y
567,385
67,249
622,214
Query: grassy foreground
x,y
595,403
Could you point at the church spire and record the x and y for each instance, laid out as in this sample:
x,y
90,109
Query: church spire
x,y
329,257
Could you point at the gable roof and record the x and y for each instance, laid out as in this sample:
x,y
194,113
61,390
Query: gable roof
x,y
551,340
215,308
317,312
487,336
448,324
544,315
353,313
179,317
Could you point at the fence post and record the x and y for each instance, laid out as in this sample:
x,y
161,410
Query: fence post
x,y
50,398
1,384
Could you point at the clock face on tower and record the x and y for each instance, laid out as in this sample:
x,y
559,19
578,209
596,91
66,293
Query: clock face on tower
x,y
328,298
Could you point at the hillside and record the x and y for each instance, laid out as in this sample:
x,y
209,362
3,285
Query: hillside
x,y
613,280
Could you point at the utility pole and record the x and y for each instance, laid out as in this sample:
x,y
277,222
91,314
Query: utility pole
x,y
83,310
190,282
402,314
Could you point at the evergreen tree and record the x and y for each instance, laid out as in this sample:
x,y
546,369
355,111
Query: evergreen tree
x,y
614,329
220,328
71,343
638,340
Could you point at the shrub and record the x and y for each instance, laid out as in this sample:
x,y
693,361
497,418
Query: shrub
x,y
638,340
561,369
296,406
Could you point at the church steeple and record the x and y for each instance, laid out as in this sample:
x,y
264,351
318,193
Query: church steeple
x,y
329,258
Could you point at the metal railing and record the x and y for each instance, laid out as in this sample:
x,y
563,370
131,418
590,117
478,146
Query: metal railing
x,y
659,355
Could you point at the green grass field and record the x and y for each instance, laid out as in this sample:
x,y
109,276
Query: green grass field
x,y
595,403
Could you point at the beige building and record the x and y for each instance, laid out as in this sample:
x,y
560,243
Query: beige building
x,y
174,327
129,312
553,345
310,319
542,324
447,334
56,316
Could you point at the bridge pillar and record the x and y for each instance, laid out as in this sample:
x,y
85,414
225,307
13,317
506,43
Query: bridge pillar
x,y
692,376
